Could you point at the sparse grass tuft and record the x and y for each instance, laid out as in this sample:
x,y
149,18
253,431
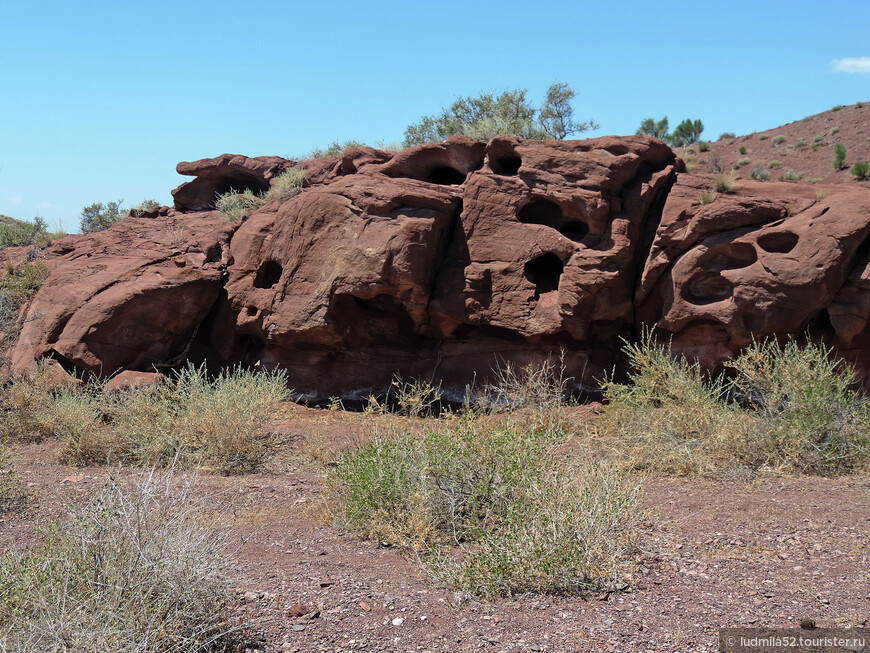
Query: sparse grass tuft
x,y
703,146
12,492
792,175
818,137
837,107
759,173
707,196
235,206
780,138
724,184
742,162
286,185
763,137
134,570
834,130
539,387
775,164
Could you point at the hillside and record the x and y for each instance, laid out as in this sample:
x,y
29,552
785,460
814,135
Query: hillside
x,y
807,147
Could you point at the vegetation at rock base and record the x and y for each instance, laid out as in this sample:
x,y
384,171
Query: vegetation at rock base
x,y
190,419
19,233
16,288
138,569
509,112
789,409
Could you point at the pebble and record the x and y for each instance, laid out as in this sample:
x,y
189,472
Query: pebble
x,y
398,621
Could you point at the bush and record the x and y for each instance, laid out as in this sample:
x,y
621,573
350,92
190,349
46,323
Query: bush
x,y
775,164
707,196
787,410
724,183
286,185
801,142
763,137
834,130
16,289
703,146
818,137
792,175
778,139
860,170
727,135
742,149
97,217
525,520
742,162
134,570
188,419
235,206
488,115
17,233
759,173
839,156
333,149
837,107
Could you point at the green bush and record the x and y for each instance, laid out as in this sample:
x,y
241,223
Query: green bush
x,y
786,409
138,570
742,162
834,130
703,146
235,206
800,142
17,233
727,136
742,149
763,137
818,137
775,164
759,173
286,185
489,115
333,149
860,170
837,107
524,518
778,139
16,289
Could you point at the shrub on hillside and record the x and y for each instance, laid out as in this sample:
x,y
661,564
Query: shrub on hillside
x,y
860,170
235,206
839,156
759,173
286,185
17,233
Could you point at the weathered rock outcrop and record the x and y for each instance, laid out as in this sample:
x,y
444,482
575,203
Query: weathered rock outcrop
x,y
443,260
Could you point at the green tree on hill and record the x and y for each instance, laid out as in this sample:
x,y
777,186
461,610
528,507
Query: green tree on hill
x,y
687,132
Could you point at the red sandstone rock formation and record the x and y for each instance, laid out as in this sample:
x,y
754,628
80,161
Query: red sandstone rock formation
x,y
443,260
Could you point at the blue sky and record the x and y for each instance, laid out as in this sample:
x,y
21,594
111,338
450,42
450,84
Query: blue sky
x,y
102,99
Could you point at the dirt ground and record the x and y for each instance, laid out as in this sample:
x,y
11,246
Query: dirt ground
x,y
764,552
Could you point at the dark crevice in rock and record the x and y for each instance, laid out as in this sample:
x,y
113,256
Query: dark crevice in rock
x,y
268,274
544,272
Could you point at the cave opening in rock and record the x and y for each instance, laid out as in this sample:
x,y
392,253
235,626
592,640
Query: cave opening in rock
x,y
545,272
505,164
268,274
575,230
541,212
446,176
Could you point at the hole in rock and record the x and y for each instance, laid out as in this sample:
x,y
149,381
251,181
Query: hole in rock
x,y
505,164
781,242
251,310
707,289
446,176
729,256
575,230
549,214
268,275
544,272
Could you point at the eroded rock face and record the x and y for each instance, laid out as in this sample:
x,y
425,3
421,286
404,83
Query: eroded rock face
x,y
444,261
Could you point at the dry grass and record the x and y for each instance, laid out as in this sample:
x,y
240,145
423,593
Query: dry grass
x,y
786,410
488,506
237,205
219,423
134,570
12,492
286,185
